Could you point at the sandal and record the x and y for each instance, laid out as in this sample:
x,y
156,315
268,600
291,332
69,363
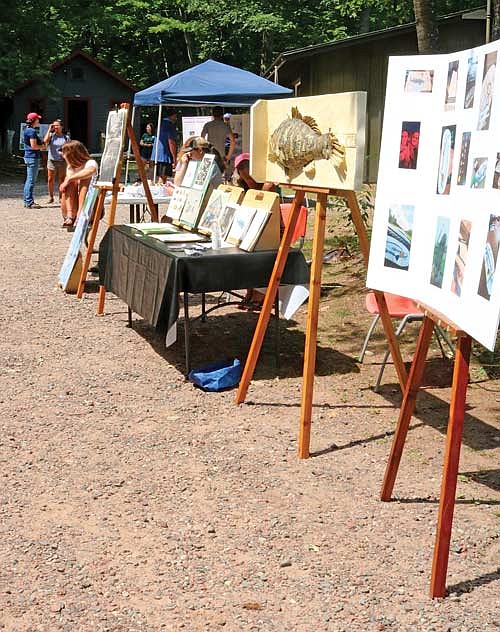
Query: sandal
x,y
68,222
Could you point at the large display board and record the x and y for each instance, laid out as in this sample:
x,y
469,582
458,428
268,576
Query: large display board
x,y
291,140
436,229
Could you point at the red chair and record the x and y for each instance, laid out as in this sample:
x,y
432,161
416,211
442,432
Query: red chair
x,y
404,308
300,227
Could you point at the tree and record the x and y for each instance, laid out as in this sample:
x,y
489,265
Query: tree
x,y
427,32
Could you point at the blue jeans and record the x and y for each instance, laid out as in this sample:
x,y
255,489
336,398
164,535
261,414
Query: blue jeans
x,y
32,167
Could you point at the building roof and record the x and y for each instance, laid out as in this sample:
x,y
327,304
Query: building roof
x,y
314,49
91,60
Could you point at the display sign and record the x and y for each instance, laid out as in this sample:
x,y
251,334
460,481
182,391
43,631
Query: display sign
x,y
42,129
436,228
113,148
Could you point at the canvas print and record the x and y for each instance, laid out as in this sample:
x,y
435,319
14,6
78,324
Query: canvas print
x,y
496,173
177,203
204,171
419,80
487,89
408,148
478,177
470,84
399,236
226,220
440,251
464,158
451,86
241,221
113,147
213,210
191,209
446,159
490,258
190,173
461,257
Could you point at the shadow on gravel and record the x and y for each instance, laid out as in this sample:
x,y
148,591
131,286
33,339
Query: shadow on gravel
x,y
230,335
469,586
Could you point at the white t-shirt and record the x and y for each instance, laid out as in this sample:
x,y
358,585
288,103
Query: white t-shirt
x,y
90,163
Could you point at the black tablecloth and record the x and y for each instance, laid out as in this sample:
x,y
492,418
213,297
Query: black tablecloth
x,y
144,273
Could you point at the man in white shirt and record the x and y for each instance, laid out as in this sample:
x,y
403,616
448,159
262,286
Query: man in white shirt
x,y
216,132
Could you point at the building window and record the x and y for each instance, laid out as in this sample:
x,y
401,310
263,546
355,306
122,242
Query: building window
x,y
76,73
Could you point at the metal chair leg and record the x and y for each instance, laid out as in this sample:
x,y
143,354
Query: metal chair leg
x,y
370,330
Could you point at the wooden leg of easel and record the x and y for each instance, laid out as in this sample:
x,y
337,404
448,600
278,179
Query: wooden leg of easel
x,y
101,299
391,339
91,242
312,327
450,469
272,288
407,407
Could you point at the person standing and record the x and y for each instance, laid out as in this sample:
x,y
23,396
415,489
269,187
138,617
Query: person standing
x,y
33,146
216,132
146,146
165,146
55,138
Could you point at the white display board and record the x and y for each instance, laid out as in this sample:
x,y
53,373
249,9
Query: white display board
x,y
192,126
240,125
116,128
436,229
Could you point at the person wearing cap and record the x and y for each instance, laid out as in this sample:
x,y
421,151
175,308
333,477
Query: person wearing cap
x,y
33,146
242,177
216,132
165,146
194,148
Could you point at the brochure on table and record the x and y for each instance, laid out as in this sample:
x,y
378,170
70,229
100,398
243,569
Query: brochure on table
x,y
436,228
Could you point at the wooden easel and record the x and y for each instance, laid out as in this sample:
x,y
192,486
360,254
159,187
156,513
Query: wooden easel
x,y
112,209
453,439
314,295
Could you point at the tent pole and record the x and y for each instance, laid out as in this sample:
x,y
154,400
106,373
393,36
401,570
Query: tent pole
x,y
157,142
128,150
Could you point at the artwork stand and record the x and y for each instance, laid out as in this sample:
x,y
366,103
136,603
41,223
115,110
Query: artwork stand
x,y
314,295
453,440
99,207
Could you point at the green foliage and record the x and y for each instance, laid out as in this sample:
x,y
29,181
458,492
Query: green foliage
x,y
146,40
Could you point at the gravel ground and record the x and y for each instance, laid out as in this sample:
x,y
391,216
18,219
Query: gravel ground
x,y
131,501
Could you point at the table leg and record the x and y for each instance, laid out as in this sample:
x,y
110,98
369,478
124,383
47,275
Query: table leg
x,y
203,308
187,347
130,317
277,331
131,213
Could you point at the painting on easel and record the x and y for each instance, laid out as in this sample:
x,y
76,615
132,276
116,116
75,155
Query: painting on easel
x,y
116,128
449,260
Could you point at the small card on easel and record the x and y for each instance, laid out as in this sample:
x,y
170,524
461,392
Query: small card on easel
x,y
241,221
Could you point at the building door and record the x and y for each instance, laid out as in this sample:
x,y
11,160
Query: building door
x,y
77,119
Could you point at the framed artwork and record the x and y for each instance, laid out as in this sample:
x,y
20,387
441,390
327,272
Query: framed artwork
x,y
204,172
177,202
213,210
436,226
191,208
113,148
242,219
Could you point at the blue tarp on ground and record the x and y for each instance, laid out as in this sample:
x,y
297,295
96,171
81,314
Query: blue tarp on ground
x,y
211,83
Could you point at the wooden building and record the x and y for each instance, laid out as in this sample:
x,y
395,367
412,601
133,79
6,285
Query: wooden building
x,y
80,91
360,63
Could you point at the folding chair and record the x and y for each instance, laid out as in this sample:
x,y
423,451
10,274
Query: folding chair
x,y
300,227
404,308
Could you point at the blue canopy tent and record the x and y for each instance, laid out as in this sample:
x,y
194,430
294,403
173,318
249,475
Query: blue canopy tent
x,y
209,83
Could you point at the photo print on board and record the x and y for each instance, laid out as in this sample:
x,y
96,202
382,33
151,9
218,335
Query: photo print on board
x,y
399,236
464,158
446,152
408,147
451,86
440,251
490,258
461,257
496,173
478,177
487,87
419,80
470,84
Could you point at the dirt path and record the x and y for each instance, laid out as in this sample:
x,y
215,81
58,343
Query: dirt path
x,y
132,502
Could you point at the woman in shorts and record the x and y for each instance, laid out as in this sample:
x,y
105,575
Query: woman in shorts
x,y
80,170
54,139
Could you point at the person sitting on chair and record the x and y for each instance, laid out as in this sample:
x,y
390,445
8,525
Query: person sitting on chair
x,y
81,168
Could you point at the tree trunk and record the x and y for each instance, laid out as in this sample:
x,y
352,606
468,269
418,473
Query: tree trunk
x,y
495,19
427,32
